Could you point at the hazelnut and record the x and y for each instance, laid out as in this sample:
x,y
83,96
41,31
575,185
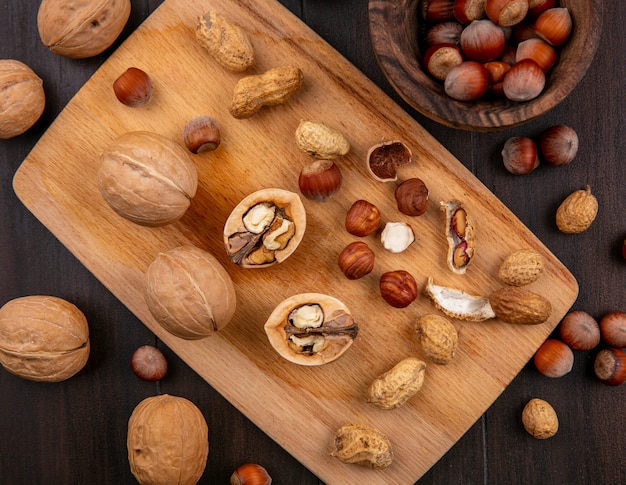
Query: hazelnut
x,y
448,32
466,11
540,419
610,366
506,13
148,363
397,236
384,159
482,41
250,474
580,330
554,25
537,7
438,10
558,145
554,358
356,260
133,88
398,288
467,82
202,134
524,81
613,329
412,197
362,219
519,155
538,50
320,180
440,58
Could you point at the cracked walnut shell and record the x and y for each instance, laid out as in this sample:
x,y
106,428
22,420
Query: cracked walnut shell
x,y
43,338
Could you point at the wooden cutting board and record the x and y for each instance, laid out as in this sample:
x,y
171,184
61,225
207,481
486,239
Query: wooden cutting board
x,y
299,407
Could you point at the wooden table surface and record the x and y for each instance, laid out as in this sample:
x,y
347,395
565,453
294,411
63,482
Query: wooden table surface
x,y
74,432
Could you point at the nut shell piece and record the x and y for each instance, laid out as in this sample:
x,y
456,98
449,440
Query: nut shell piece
x,y
167,441
384,159
43,338
459,304
361,444
147,178
226,42
189,292
287,203
393,388
81,28
521,267
577,212
516,305
22,98
460,235
320,140
338,329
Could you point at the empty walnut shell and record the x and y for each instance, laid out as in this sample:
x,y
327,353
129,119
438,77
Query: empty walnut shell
x,y
43,338
280,224
460,235
79,28
147,178
384,159
189,292
326,335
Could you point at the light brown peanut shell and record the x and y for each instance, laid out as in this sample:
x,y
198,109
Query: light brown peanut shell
x,y
393,388
167,441
147,178
320,140
271,88
437,337
460,235
577,211
459,304
189,293
225,41
516,305
22,98
43,338
361,444
521,267
81,28
333,337
540,419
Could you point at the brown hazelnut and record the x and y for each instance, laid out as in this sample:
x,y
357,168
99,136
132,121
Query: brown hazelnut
x,y
384,159
554,358
148,363
356,260
202,134
580,330
362,219
412,197
133,88
613,329
250,474
320,180
398,288
610,366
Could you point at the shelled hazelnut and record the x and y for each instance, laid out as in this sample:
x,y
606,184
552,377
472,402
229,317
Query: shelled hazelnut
x,y
362,219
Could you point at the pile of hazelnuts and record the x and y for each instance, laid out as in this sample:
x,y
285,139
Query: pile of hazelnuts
x,y
501,47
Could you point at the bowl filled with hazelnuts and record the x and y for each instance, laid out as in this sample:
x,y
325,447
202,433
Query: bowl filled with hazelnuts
x,y
484,65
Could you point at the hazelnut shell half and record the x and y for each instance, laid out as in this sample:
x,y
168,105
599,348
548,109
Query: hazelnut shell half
x,y
384,159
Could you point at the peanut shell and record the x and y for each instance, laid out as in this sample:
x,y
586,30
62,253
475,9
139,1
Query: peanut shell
x,y
516,305
457,303
461,240
229,45
393,388
364,445
320,140
577,212
521,267
437,337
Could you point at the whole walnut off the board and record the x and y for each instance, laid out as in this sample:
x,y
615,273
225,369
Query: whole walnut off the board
x,y
311,329
147,178
364,445
79,29
43,338
540,419
22,98
265,228
167,441
225,41
396,386
189,293
273,87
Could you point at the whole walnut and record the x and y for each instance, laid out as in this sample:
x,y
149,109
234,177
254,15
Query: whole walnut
x,y
147,178
22,98
189,292
168,441
43,338
81,28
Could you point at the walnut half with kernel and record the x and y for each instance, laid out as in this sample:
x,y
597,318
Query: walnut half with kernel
x,y
311,329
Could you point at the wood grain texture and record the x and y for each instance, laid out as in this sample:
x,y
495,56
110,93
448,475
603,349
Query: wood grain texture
x,y
57,183
396,26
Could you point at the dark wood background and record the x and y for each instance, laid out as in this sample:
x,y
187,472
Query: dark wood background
x,y
74,432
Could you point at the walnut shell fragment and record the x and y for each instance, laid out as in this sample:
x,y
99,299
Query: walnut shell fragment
x,y
460,235
79,28
361,444
519,306
147,178
393,388
229,45
189,293
265,228
459,304
43,338
384,159
311,329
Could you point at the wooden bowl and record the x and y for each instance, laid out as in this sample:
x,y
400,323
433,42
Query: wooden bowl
x,y
396,27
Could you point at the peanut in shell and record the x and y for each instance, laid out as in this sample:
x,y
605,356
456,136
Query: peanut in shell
x,y
320,140
518,306
577,211
437,337
393,388
521,267
361,444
